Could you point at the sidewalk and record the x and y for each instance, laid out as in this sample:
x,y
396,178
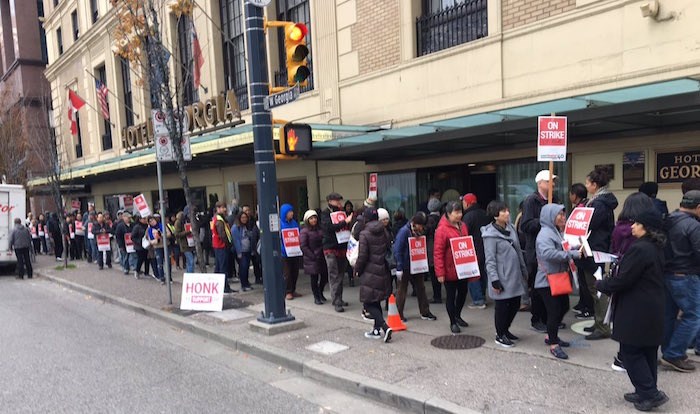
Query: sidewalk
x,y
486,379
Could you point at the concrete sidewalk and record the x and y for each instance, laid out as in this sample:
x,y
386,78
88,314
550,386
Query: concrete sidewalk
x,y
408,372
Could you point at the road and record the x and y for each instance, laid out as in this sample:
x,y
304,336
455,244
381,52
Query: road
x,y
63,352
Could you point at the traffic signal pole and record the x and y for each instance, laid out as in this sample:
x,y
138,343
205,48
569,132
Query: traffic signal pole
x,y
265,169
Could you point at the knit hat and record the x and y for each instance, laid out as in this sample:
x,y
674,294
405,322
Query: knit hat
x,y
370,202
650,219
382,214
434,205
309,214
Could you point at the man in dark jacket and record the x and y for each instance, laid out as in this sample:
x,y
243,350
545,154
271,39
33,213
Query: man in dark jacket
x,y
530,226
101,227
55,229
333,249
21,242
681,274
475,218
651,188
123,227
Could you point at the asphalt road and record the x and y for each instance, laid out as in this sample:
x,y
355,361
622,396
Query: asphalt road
x,y
63,352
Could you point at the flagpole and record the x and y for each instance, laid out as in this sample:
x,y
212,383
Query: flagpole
x,y
92,107
115,96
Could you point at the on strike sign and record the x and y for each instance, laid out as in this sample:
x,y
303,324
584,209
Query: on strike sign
x,y
142,205
190,237
343,236
128,243
292,243
551,138
373,185
578,222
464,256
103,242
202,291
417,248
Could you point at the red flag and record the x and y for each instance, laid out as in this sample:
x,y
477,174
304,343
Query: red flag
x,y
75,102
196,56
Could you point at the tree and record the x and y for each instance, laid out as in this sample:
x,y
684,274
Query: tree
x,y
14,152
138,38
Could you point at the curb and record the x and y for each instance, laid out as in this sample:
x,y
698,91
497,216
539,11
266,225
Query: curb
x,y
337,378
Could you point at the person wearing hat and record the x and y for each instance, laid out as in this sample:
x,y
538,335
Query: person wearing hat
x,y
530,226
475,218
314,262
124,226
290,264
637,291
333,251
402,255
681,277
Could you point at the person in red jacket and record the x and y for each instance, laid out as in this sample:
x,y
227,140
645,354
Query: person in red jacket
x,y
451,226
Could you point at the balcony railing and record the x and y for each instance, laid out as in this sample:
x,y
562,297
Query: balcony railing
x,y
452,26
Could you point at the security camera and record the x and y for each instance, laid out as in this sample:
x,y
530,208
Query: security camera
x,y
650,9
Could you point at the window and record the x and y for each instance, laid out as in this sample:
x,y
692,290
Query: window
x,y
293,11
448,23
59,41
42,32
79,142
94,11
184,37
55,2
234,50
107,136
126,86
74,21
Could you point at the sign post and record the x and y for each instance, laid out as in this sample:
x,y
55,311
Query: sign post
x,y
551,144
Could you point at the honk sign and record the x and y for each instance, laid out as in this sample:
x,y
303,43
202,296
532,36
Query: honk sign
x,y
202,291
292,244
418,251
464,256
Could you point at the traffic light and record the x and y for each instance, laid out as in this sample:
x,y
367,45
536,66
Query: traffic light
x,y
296,52
295,139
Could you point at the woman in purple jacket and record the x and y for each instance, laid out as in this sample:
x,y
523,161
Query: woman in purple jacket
x,y
314,261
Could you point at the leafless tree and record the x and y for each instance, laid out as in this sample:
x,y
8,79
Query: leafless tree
x,y
13,139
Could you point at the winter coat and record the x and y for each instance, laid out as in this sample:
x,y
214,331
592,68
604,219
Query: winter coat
x,y
475,218
660,206
98,228
442,250
284,224
551,257
401,249
398,225
430,228
312,247
237,233
137,234
155,236
181,234
119,231
20,238
622,238
329,229
504,261
638,295
683,248
602,221
530,223
371,265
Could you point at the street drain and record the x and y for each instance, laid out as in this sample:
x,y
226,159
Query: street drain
x,y
457,342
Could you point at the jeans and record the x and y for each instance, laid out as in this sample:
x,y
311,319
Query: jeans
x,y
456,297
336,270
419,287
189,261
557,306
505,312
244,269
92,255
158,264
641,365
682,293
476,292
124,260
221,257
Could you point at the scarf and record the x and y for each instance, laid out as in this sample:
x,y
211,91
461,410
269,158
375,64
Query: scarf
x,y
502,230
600,192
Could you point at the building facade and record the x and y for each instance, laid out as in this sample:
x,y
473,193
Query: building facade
x,y
427,93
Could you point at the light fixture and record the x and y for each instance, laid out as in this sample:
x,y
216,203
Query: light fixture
x,y
650,9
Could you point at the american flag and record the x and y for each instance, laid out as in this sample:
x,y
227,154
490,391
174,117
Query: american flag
x,y
102,97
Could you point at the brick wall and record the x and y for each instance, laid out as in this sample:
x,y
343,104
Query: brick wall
x,y
376,35
520,12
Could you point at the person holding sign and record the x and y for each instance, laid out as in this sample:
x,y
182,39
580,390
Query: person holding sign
x,y
122,228
100,227
79,236
506,269
450,227
184,239
411,254
553,262
336,233
314,262
291,250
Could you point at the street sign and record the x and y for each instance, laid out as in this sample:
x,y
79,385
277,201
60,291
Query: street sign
x,y
551,138
165,152
282,98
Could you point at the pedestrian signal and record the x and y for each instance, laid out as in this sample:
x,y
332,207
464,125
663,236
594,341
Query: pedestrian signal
x,y
295,139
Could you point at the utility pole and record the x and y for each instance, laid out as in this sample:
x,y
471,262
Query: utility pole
x,y
265,169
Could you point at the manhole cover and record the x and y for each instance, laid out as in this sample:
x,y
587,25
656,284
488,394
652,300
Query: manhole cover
x,y
457,342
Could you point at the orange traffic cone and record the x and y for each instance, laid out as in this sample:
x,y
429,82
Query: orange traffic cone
x,y
393,319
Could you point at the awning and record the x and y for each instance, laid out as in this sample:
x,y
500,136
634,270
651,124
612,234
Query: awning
x,y
635,111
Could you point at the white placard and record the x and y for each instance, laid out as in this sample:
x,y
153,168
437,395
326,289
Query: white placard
x,y
202,291
142,205
292,242
128,243
343,236
418,253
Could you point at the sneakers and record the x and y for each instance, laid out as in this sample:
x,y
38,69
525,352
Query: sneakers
x,y
596,335
387,334
511,336
679,365
539,327
584,315
428,317
373,334
461,322
477,306
136,275
648,405
558,352
562,344
455,328
619,367
504,341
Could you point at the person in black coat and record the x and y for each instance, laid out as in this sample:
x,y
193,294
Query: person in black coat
x,y
314,262
638,303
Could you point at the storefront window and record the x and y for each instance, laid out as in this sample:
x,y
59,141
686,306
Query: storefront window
x,y
397,191
516,181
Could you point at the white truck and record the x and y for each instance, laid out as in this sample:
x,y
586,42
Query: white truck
x,y
13,204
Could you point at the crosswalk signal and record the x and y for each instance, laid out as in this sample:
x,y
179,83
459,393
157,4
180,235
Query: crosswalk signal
x,y
296,52
295,139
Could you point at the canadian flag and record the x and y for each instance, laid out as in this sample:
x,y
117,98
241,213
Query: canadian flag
x,y
75,102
